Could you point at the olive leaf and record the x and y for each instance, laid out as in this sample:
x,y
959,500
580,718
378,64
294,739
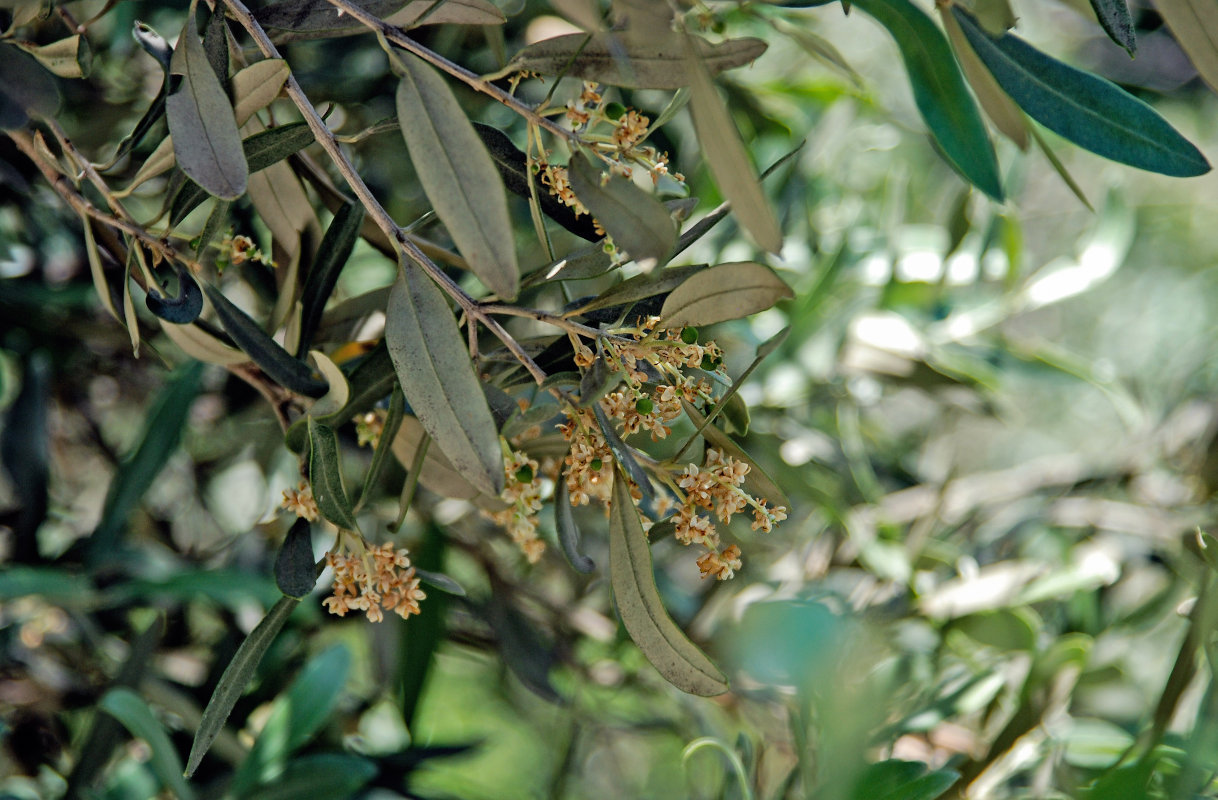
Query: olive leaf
x,y
67,58
996,104
316,19
206,143
1115,20
236,676
638,602
940,93
434,370
726,156
723,292
608,58
1194,25
568,531
332,255
1090,111
295,568
27,89
180,310
326,478
130,709
458,175
637,221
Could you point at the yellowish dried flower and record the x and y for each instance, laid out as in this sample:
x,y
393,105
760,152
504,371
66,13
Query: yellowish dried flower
x,y
300,502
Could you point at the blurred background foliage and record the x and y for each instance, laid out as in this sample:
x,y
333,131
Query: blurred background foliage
x,y
996,424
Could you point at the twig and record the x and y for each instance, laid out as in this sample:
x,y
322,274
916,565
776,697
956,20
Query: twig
x,y
543,316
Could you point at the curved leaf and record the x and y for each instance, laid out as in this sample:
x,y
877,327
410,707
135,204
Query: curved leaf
x,y
608,58
326,477
434,370
638,601
723,292
1092,112
332,256
295,568
1195,26
130,709
568,531
940,93
236,677
67,58
180,310
726,156
638,223
1115,20
999,107
201,121
458,175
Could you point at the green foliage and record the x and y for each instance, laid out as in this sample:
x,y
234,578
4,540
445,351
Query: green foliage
x,y
439,264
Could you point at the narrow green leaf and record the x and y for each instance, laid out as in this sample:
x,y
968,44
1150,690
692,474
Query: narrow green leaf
x,y
329,775
638,601
183,309
438,580
757,482
568,531
514,170
608,58
384,444
1194,25
1088,110
326,477
458,175
1060,169
726,156
940,93
996,104
295,567
130,709
97,270
315,19
201,121
723,292
159,441
291,373
236,677
1115,20
598,379
623,454
27,89
637,221
295,718
262,150
332,255
641,287
435,373
419,641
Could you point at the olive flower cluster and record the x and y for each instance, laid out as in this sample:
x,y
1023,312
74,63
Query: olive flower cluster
x,y
522,493
379,580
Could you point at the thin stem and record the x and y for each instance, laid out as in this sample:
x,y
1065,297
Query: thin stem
x,y
397,36
543,316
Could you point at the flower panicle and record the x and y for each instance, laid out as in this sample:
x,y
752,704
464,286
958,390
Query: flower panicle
x,y
381,579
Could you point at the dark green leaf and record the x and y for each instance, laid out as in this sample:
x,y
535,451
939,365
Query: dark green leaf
x,y
458,175
513,168
1115,20
295,717
637,221
295,568
384,444
333,776
568,531
1092,112
325,475
236,677
183,309
419,640
940,93
438,580
162,432
26,89
638,601
290,373
332,255
25,454
598,379
609,58
206,143
130,709
434,370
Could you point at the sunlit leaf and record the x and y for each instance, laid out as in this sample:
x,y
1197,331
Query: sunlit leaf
x,y
940,93
723,292
605,57
726,156
255,86
201,121
296,716
1088,110
325,475
638,601
1194,25
434,370
130,709
458,175
637,221
999,107
67,58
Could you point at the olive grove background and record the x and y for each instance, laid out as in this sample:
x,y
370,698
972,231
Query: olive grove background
x,y
993,415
